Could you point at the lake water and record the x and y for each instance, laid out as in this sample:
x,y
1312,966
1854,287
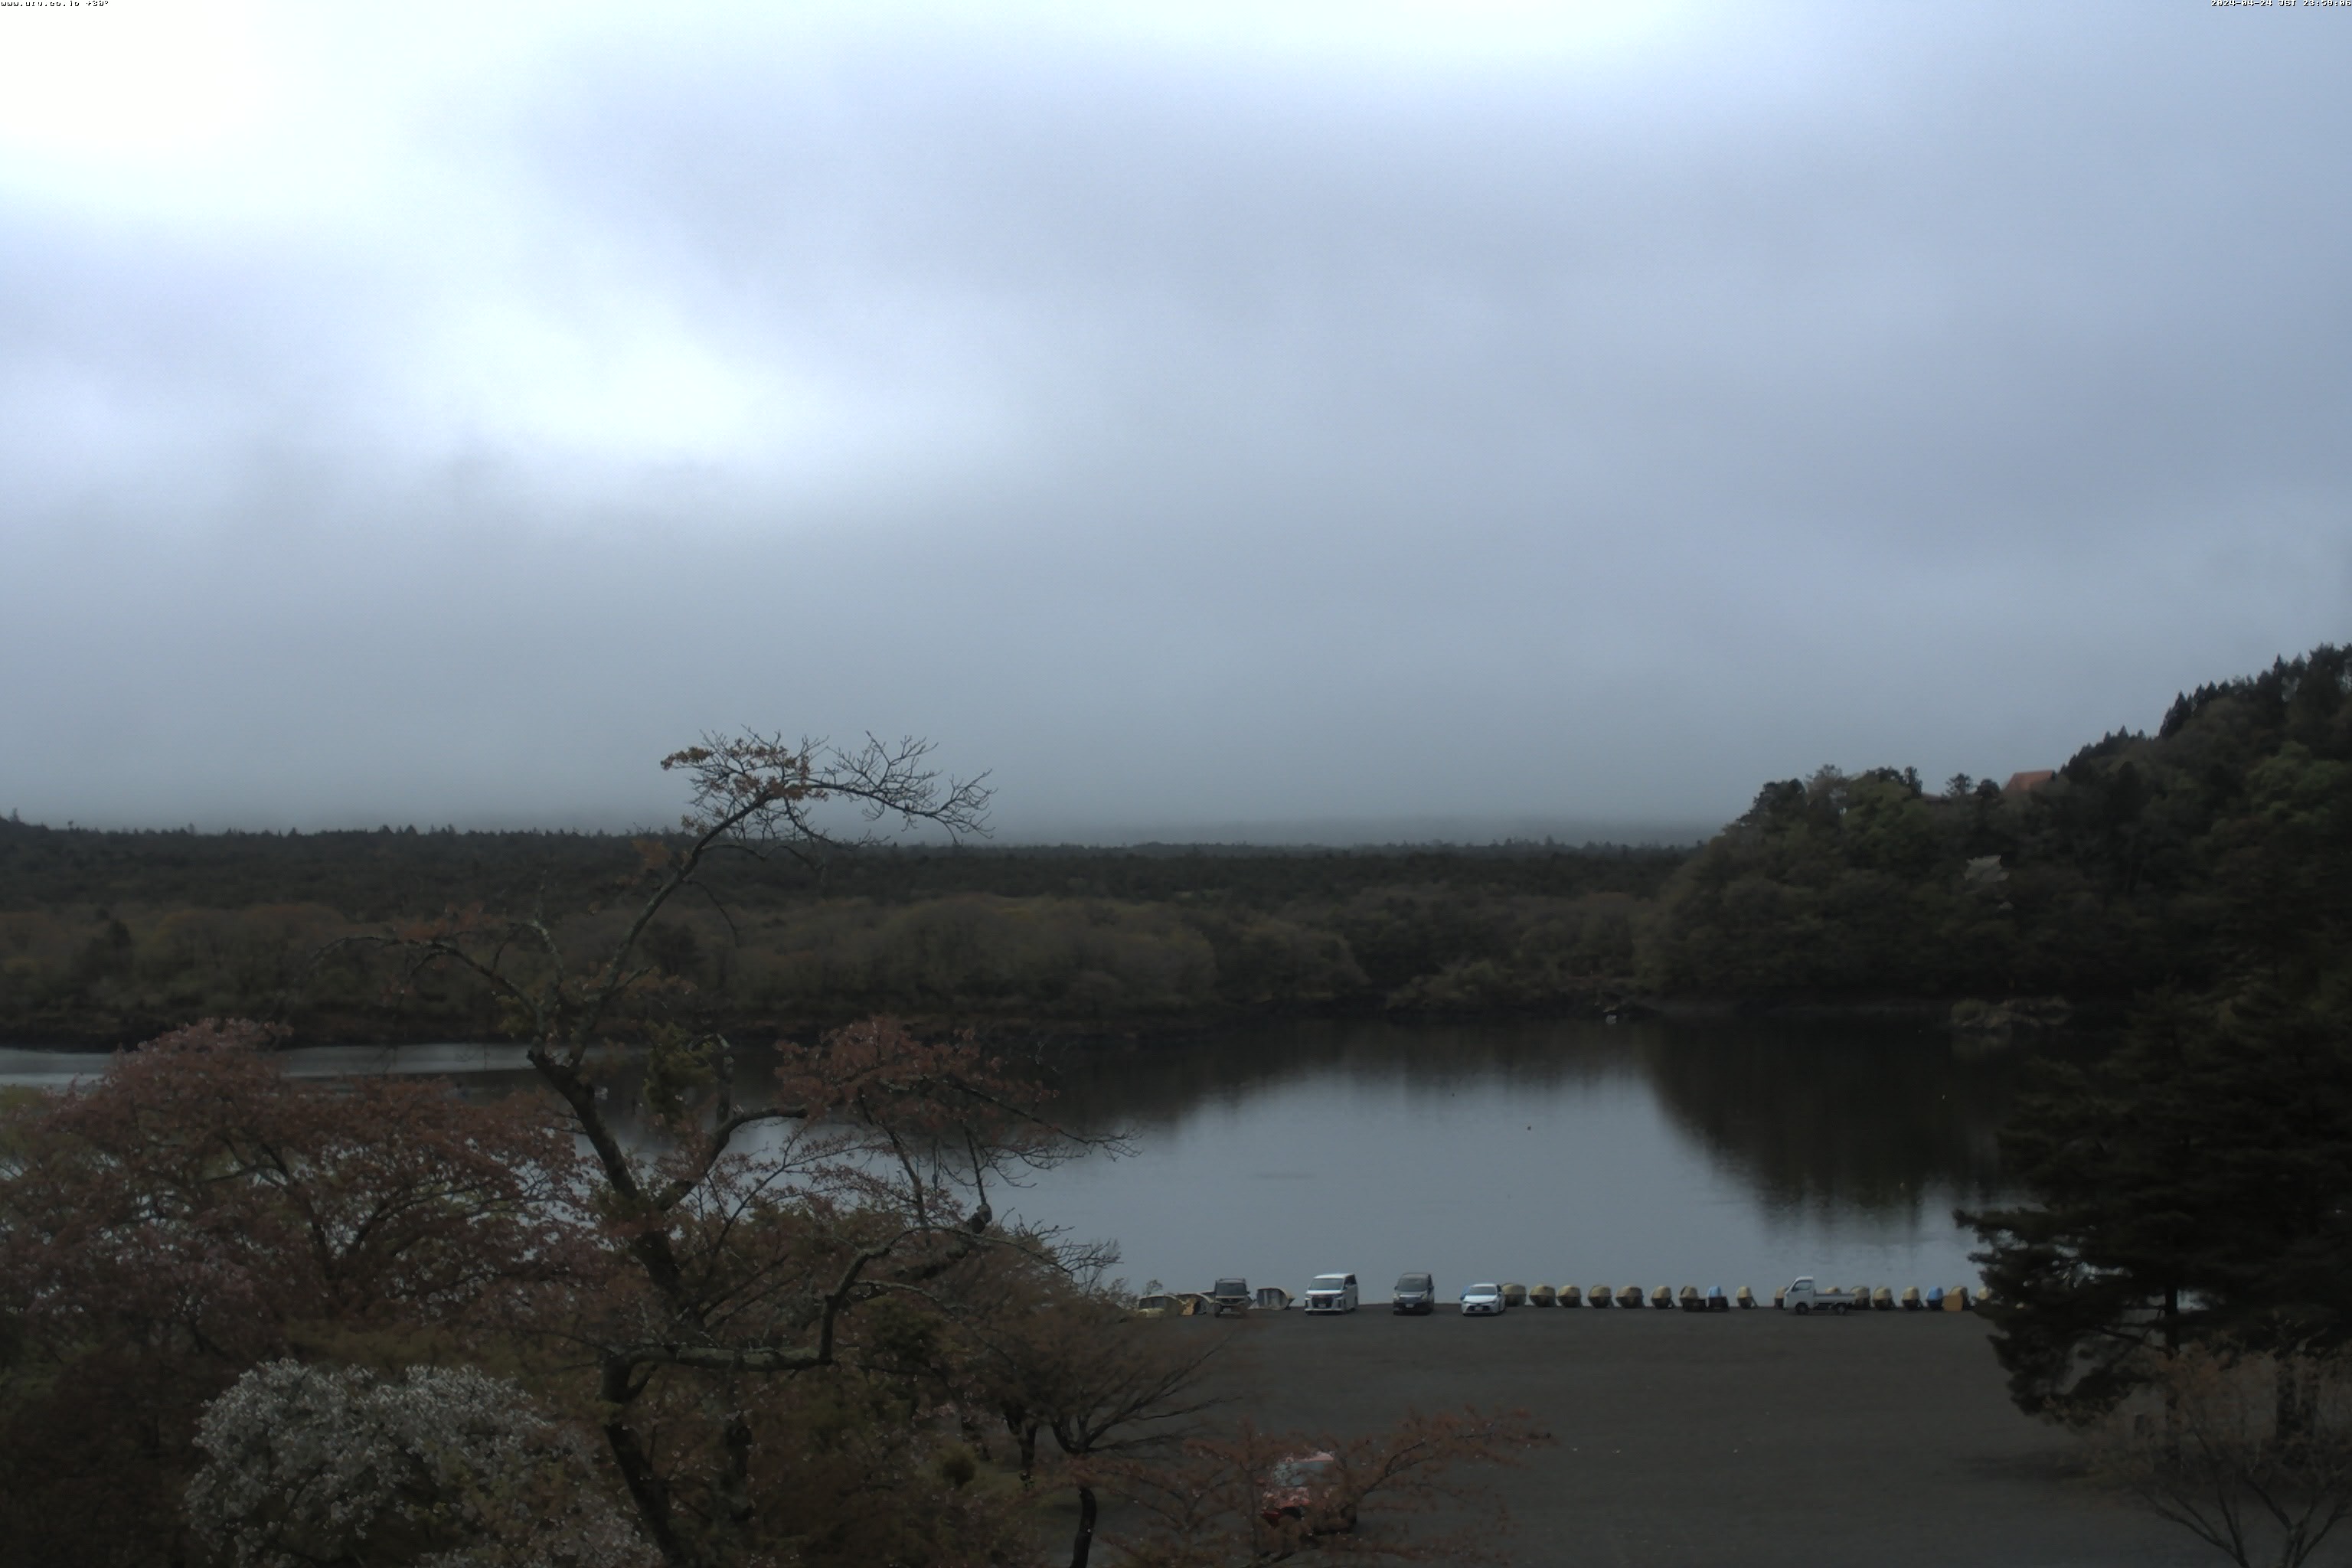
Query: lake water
x,y
1648,1153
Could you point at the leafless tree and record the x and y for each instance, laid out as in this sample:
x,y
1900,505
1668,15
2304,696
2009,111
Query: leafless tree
x,y
2250,1453
1255,1497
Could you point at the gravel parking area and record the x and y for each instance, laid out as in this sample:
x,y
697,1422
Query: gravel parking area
x,y
1753,1437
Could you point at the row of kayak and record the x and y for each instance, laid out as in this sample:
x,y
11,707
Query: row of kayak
x,y
1661,1297
1689,1299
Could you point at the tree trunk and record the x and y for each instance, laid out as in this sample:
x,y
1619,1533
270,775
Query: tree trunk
x,y
1024,1438
2171,1387
1082,1544
645,1486
646,1490
2291,1413
735,1483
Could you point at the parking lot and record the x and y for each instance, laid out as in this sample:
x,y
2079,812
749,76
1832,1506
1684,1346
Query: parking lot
x,y
1748,1438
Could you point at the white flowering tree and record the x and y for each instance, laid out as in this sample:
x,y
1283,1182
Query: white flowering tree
x,y
442,1468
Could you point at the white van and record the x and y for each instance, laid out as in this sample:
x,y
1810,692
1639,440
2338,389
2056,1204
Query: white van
x,y
1332,1293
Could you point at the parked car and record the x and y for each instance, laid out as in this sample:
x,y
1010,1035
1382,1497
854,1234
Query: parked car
x,y
1483,1301
1157,1304
1299,1488
1230,1295
1414,1293
1332,1293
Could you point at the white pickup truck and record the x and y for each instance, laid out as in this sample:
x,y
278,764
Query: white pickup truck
x,y
1801,1298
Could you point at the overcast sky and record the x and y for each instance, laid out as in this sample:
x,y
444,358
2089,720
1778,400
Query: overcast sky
x,y
1483,416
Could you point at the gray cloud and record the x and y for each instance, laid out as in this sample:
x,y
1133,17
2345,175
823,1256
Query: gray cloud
x,y
1195,431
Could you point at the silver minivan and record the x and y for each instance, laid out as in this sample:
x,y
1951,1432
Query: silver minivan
x,y
1332,1293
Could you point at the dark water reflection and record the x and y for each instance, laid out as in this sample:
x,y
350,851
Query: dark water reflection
x,y
1661,1153
1651,1153
1860,1117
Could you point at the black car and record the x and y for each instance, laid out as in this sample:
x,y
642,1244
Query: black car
x,y
1415,1293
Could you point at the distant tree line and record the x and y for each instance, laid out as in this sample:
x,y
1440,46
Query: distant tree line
x,y
115,935
2145,860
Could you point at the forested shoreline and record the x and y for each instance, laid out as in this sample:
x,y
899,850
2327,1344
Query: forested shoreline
x,y
2145,860
105,936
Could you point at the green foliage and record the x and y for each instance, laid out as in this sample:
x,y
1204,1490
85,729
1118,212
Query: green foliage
x,y
677,1070
2224,839
2194,1185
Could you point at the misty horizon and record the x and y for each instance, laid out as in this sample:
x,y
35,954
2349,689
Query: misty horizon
x,y
1304,834
1203,420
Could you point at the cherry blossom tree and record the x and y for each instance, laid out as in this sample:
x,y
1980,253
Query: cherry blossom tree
x,y
195,1211
1058,1362
442,1468
746,1239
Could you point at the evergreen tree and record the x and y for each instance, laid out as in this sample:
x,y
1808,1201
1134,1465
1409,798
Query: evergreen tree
x,y
2196,1184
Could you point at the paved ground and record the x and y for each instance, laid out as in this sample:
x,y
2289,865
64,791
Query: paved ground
x,y
1754,1439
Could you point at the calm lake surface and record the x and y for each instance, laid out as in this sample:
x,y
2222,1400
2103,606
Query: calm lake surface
x,y
1649,1154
